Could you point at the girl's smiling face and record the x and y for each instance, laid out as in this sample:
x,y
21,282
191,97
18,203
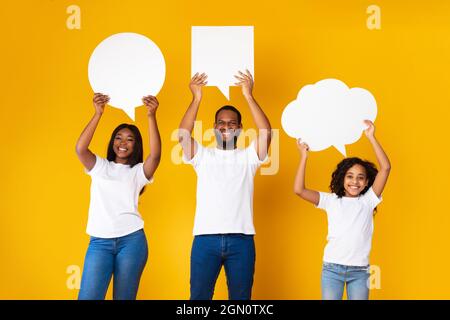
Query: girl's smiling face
x,y
355,180
123,145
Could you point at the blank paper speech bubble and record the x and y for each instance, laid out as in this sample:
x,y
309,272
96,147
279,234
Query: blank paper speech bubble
x,y
328,113
127,66
221,52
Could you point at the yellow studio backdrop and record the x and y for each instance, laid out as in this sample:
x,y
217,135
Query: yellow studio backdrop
x,y
46,101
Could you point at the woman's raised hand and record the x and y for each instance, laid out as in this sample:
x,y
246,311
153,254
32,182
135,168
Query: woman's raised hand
x,y
99,101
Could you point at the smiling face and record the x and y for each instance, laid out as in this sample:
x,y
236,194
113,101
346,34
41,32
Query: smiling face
x,y
227,128
355,180
123,145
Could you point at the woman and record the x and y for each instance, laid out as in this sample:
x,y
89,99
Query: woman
x,y
118,245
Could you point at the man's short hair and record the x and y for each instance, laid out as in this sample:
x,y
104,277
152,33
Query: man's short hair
x,y
231,108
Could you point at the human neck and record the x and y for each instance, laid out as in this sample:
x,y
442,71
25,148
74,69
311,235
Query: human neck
x,y
226,146
121,160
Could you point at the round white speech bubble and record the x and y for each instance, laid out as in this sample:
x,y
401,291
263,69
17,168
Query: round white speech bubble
x,y
127,66
328,113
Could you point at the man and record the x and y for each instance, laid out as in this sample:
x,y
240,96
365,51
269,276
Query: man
x,y
223,227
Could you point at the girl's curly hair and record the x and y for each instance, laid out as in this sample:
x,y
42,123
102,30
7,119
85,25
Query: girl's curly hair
x,y
337,178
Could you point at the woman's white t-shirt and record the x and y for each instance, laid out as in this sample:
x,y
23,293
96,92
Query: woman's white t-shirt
x,y
115,188
224,189
350,227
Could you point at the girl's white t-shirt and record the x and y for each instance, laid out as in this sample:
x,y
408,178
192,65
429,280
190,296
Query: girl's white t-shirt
x,y
115,188
224,189
350,227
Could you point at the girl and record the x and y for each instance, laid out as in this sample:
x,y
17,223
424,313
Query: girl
x,y
356,187
117,244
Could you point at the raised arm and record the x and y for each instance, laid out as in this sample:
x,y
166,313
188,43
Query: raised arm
x,y
85,155
153,159
259,117
187,123
299,184
383,160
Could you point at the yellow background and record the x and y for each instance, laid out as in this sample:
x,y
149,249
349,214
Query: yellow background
x,y
46,102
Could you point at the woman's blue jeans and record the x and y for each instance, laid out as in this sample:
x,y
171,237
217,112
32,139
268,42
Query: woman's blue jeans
x,y
236,252
124,257
336,276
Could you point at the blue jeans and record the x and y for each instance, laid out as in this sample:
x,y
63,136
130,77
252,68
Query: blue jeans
x,y
335,276
236,252
124,257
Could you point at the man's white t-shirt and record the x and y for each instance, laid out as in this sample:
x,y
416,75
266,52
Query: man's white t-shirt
x,y
115,188
224,189
350,227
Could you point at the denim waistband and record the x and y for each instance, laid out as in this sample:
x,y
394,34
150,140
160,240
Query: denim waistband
x,y
336,265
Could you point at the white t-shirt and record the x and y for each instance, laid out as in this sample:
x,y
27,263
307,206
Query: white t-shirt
x,y
224,189
350,227
113,209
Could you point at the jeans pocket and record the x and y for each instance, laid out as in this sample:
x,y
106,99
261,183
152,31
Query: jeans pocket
x,y
138,233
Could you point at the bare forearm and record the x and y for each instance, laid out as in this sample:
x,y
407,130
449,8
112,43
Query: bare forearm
x,y
260,118
382,158
155,138
299,183
187,123
86,136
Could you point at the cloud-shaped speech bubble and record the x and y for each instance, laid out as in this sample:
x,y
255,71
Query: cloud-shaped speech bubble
x,y
328,113
221,52
127,66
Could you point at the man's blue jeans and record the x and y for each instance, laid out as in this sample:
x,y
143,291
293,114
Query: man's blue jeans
x,y
124,257
236,252
335,276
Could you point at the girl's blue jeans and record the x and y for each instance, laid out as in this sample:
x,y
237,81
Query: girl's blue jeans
x,y
336,276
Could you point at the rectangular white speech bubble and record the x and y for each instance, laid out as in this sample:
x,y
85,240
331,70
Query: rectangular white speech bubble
x,y
221,52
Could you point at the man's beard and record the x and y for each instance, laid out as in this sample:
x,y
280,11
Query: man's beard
x,y
230,143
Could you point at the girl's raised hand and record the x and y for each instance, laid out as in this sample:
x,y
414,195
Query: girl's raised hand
x,y
370,130
303,147
99,101
151,103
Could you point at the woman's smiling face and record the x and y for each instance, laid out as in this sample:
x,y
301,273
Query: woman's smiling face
x,y
124,144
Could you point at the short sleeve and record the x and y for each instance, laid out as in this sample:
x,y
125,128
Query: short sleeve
x,y
371,198
140,175
99,166
197,156
253,155
325,199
